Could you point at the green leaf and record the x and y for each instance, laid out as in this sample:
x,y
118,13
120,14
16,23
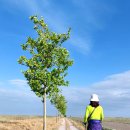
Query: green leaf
x,y
47,63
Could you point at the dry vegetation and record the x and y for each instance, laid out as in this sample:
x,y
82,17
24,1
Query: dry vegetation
x,y
118,119
108,123
26,123
35,123
117,123
77,124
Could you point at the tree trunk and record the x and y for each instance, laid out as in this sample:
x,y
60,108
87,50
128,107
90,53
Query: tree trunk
x,y
56,116
44,121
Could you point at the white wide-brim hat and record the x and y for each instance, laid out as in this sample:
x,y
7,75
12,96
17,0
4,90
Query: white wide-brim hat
x,y
94,97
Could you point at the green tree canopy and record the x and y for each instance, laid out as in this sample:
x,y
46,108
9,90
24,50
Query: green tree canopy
x,y
60,103
47,62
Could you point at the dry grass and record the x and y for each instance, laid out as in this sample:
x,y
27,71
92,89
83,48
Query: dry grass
x,y
117,119
117,123
77,123
26,123
36,123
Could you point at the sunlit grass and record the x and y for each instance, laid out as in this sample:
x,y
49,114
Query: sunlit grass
x,y
26,122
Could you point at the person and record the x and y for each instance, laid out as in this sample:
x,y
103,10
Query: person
x,y
94,114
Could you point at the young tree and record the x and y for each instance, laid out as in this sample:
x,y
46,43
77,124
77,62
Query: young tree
x,y
60,103
47,62
58,100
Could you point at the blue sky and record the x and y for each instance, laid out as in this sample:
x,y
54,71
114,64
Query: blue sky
x,y
99,45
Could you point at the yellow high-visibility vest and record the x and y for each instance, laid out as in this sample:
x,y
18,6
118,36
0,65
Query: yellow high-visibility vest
x,y
96,115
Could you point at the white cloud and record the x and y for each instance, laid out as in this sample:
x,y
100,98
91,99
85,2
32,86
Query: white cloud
x,y
115,81
82,45
89,14
16,88
18,82
21,101
59,22
113,91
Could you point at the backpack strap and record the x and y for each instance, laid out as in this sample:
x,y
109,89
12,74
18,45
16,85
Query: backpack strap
x,y
91,114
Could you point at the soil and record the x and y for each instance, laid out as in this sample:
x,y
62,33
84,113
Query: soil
x,y
116,125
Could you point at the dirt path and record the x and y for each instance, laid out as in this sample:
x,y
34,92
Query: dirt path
x,y
69,125
63,125
116,126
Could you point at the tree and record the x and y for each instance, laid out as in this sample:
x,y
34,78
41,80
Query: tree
x,y
60,103
47,62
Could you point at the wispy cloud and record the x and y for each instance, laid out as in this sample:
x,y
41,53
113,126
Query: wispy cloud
x,y
82,45
89,16
18,82
16,100
59,22
16,88
121,81
113,91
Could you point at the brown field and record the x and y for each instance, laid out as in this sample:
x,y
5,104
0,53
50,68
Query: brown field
x,y
26,123
36,123
111,123
117,123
